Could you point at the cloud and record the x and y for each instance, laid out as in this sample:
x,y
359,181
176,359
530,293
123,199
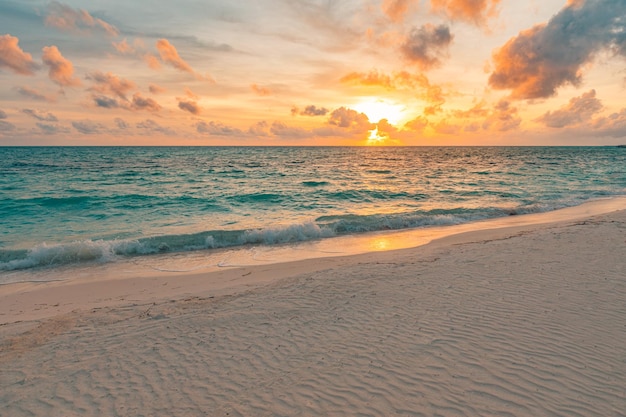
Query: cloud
x,y
105,102
41,115
156,89
218,129
350,119
578,110
417,125
283,130
6,126
613,125
260,91
123,47
110,84
538,61
396,10
87,127
50,129
503,117
314,111
121,123
144,103
425,46
3,114
65,18
191,94
60,69
402,80
13,58
259,129
472,11
169,54
190,106
152,61
34,94
150,126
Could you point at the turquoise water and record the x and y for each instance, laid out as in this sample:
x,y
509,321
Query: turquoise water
x,y
66,205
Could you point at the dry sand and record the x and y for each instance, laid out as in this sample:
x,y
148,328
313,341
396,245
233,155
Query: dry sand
x,y
521,321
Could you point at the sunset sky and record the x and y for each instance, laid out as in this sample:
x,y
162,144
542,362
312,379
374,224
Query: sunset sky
x,y
313,72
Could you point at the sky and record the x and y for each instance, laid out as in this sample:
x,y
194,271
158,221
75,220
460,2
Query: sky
x,y
313,72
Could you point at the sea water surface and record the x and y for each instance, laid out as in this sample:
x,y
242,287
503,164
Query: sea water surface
x,y
62,206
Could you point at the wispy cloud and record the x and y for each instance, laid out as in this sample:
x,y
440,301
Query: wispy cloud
x,y
169,54
34,94
149,127
538,61
41,115
63,17
88,127
260,91
14,58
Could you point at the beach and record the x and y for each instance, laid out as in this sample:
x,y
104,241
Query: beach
x,y
524,319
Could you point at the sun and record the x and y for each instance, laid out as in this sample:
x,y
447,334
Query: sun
x,y
377,109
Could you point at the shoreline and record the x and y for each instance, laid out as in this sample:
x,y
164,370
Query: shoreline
x,y
520,320
127,283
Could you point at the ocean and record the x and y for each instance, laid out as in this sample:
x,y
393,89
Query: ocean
x,y
63,206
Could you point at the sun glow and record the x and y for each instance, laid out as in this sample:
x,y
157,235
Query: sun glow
x,y
378,109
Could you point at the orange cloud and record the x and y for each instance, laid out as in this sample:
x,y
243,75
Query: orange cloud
x,y
425,46
123,47
396,10
473,11
538,61
169,54
503,117
61,70
65,18
433,94
13,58
152,61
260,91
110,84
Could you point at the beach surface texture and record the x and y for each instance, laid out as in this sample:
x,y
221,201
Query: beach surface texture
x,y
519,321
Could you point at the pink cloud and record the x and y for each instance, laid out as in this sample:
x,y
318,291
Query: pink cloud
x,y
169,54
65,18
14,58
60,70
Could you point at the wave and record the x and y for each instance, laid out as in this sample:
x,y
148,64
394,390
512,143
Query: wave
x,y
48,255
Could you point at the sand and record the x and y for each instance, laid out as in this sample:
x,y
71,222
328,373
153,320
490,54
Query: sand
x,y
528,320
